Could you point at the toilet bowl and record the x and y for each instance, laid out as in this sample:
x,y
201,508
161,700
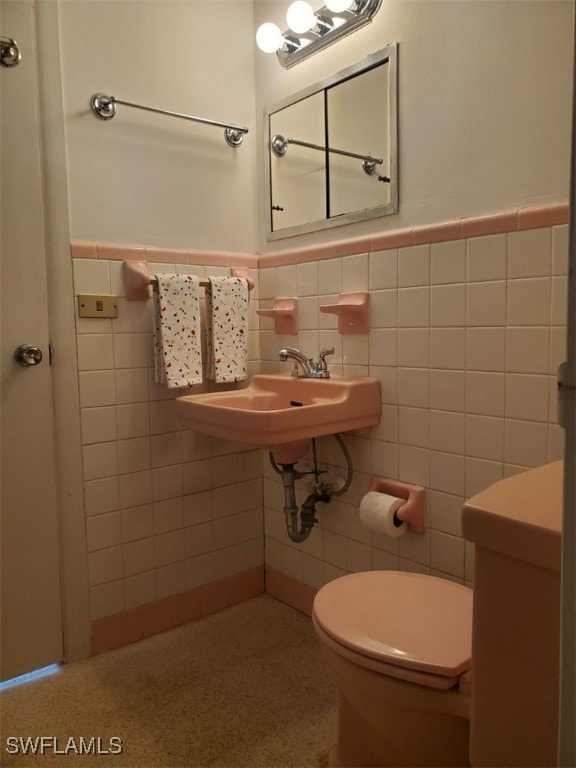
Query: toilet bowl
x,y
399,647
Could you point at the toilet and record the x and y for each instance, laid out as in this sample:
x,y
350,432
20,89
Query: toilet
x,y
399,647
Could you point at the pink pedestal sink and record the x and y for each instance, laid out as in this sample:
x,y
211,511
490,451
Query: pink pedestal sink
x,y
275,409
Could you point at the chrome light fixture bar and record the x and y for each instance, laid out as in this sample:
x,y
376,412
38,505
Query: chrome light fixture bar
x,y
310,32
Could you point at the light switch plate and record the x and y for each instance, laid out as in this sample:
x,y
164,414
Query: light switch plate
x,y
94,305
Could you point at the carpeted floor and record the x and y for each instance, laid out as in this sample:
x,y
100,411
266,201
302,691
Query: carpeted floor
x,y
244,687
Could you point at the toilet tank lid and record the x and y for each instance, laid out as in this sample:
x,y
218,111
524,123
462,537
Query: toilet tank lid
x,y
407,619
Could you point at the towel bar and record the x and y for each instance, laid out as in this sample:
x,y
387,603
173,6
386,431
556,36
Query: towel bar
x,y
137,280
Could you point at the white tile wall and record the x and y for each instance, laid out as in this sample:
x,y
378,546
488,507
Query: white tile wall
x,y
167,509
465,338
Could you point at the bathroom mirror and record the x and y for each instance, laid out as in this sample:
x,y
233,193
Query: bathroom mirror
x,y
332,150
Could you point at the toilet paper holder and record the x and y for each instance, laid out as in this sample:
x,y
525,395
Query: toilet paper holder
x,y
413,512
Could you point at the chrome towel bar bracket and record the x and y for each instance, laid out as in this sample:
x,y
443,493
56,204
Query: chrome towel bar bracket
x,y
10,54
104,107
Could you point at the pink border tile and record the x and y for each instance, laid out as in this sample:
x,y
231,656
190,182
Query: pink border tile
x,y
352,247
437,233
223,259
492,224
296,256
243,260
121,252
399,238
476,226
166,256
83,250
280,259
547,216
209,258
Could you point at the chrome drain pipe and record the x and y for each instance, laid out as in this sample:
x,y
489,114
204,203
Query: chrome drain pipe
x,y
299,524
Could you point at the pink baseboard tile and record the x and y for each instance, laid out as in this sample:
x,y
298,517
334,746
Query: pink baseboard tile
x,y
399,238
80,250
214,597
231,590
437,233
99,636
156,617
127,627
493,224
246,585
186,607
547,216
290,591
121,252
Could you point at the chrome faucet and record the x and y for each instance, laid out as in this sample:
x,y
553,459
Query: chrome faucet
x,y
306,367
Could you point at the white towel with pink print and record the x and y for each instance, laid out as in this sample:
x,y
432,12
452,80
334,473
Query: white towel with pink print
x,y
227,329
177,336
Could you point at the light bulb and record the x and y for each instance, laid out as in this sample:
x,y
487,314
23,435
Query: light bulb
x,y
269,37
300,17
337,6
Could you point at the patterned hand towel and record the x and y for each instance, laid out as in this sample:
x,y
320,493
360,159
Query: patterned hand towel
x,y
226,329
177,338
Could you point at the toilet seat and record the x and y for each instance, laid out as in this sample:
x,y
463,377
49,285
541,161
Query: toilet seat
x,y
405,625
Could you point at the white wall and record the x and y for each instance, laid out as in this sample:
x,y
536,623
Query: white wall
x,y
484,103
484,91
149,179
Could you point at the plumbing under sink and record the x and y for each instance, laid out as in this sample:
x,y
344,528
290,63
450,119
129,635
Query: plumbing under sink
x,y
277,409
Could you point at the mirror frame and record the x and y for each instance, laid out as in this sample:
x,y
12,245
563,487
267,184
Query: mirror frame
x,y
389,54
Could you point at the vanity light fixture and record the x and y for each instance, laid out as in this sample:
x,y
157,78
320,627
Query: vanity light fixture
x,y
310,31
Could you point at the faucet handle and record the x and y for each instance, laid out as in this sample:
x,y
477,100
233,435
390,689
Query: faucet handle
x,y
324,352
321,365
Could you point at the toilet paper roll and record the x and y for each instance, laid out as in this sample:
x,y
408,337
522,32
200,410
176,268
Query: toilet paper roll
x,y
377,513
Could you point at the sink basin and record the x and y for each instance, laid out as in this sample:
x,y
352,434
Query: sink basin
x,y
277,409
